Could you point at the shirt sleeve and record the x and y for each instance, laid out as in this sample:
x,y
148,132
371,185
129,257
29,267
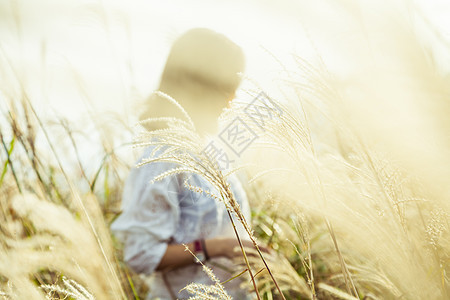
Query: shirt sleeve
x,y
149,218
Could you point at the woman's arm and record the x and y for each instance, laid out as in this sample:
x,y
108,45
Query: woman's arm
x,y
176,256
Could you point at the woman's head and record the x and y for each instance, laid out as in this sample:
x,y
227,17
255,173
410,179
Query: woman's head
x,y
201,73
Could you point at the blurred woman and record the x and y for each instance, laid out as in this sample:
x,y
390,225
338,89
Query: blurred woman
x,y
201,73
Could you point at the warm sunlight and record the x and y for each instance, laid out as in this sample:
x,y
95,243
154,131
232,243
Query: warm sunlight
x,y
224,149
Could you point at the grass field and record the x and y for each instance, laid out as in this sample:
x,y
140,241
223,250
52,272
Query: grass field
x,y
349,183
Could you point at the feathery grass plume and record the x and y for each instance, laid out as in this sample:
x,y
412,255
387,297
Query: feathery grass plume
x,y
70,288
376,187
62,194
53,176
336,292
382,188
203,291
58,242
381,209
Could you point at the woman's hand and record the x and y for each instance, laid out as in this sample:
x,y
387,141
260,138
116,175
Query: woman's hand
x,y
229,247
176,256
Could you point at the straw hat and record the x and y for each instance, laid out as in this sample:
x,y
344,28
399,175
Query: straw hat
x,y
201,73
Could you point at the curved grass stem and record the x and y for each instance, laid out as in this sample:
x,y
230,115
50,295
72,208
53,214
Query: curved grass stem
x,y
245,256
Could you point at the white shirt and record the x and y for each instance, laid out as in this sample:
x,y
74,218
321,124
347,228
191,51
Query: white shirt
x,y
156,214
